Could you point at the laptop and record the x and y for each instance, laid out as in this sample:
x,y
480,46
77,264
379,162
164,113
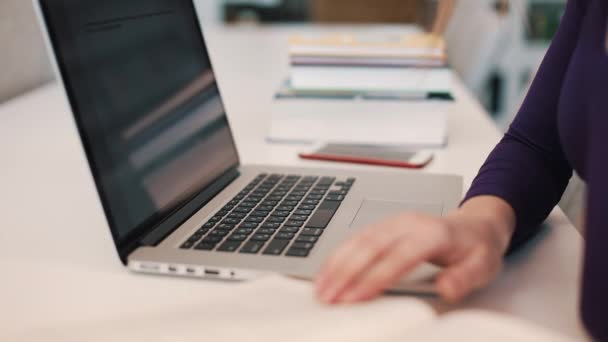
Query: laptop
x,y
148,109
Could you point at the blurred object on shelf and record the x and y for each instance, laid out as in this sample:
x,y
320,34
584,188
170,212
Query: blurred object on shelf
x,y
382,64
357,11
266,11
420,12
544,19
415,50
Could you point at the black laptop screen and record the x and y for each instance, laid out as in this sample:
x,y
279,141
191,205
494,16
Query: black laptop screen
x,y
146,101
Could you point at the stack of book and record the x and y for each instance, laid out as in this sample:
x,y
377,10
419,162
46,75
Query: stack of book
x,y
406,66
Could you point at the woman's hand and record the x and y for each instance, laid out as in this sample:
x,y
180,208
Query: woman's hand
x,y
469,243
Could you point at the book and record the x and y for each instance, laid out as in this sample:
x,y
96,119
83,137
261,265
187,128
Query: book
x,y
411,46
371,79
277,308
286,91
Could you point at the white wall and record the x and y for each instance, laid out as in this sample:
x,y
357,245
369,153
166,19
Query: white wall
x,y
23,61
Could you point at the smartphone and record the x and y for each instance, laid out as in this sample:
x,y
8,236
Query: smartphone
x,y
371,155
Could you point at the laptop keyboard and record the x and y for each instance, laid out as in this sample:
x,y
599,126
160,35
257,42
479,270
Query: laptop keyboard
x,y
273,215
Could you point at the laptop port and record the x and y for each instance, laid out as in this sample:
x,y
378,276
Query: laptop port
x,y
190,270
172,269
212,272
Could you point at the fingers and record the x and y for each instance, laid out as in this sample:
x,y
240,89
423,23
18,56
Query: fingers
x,y
401,259
350,260
473,272
373,261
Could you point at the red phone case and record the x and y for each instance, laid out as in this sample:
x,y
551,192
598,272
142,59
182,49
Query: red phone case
x,y
363,160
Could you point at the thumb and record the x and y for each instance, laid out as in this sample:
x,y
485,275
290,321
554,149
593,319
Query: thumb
x,y
460,279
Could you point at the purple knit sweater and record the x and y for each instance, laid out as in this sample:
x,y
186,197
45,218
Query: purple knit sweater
x,y
563,126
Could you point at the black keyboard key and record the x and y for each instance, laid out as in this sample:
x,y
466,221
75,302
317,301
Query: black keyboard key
x,y
187,245
351,181
275,219
303,245
260,237
338,193
260,213
219,232
244,210
294,198
197,236
276,247
239,216
271,225
281,213
287,208
268,231
270,203
245,231
303,212
229,246
289,230
314,197
307,207
222,213
226,226
284,236
231,221
255,199
326,181
337,198
297,252
209,225
311,202
252,247
290,203
298,218
205,246
247,204
265,207
215,219
203,231
249,225
324,214
212,239
254,219
297,224
312,232
237,237
306,238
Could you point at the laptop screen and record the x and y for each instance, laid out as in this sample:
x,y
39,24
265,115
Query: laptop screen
x,y
146,101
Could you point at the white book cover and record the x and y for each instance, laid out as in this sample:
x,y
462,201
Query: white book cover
x,y
372,79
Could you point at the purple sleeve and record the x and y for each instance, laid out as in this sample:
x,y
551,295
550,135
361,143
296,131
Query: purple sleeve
x,y
528,168
594,304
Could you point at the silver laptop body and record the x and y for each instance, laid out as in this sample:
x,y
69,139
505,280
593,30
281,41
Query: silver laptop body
x,y
151,118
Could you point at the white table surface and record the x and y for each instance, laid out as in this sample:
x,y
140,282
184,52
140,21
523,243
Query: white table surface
x,y
57,260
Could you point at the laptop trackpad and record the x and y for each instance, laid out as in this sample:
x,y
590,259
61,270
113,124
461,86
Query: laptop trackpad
x,y
373,211
420,281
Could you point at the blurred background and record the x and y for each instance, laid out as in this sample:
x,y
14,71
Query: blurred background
x,y
495,49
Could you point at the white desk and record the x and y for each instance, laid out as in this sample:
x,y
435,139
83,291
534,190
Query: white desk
x,y
57,260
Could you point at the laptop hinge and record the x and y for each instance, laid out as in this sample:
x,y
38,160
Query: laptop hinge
x,y
169,225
